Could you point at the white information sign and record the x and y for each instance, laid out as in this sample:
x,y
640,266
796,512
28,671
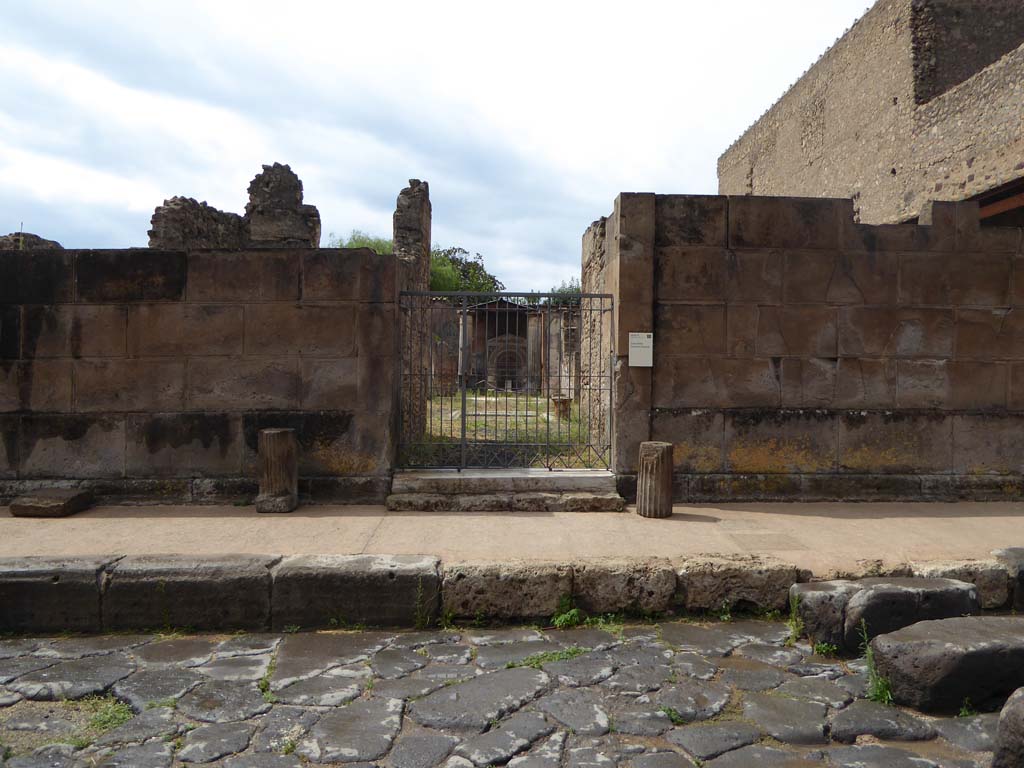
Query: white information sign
x,y
641,350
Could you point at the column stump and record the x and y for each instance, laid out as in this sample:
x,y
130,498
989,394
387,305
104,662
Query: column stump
x,y
654,480
279,471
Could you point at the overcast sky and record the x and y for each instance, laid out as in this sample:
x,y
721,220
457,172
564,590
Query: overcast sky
x,y
526,118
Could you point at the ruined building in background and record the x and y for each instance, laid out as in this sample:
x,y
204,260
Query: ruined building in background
x,y
920,100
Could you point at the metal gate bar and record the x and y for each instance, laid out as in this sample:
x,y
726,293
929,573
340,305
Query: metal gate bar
x,y
505,380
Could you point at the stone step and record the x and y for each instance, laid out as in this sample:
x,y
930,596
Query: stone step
x,y
52,502
534,501
487,481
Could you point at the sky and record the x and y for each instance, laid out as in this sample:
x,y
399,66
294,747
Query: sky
x,y
527,119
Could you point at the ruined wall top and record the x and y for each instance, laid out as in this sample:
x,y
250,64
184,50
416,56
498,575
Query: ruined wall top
x,y
26,241
412,234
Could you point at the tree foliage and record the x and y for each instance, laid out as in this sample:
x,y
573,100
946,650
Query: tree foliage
x,y
359,239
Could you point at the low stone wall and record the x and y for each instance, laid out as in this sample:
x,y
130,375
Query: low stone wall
x,y
148,373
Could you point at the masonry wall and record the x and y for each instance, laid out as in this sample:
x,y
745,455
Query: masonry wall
x,y
800,355
919,101
148,373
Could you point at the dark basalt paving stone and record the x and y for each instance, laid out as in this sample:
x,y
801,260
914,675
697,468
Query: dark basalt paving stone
x,y
583,637
580,709
160,722
817,669
769,654
217,702
498,656
693,665
816,689
707,741
237,668
364,730
331,689
414,640
80,647
707,641
660,760
255,644
546,754
9,698
877,756
40,722
421,749
411,687
748,675
974,734
183,652
394,663
54,761
635,653
1009,748
263,761
453,653
448,672
788,720
867,718
762,757
211,742
856,684
74,679
281,726
473,704
586,669
19,647
590,756
157,685
638,678
157,754
305,655
691,700
502,636
506,740
637,719
15,667
751,631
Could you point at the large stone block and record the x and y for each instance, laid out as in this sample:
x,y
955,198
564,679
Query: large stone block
x,y
696,437
183,445
861,488
10,332
246,383
301,329
264,275
330,442
74,331
895,332
895,442
971,279
686,273
809,382
821,608
741,329
786,222
377,391
748,583
820,277
179,330
690,220
211,592
330,384
726,382
633,264
130,275
330,274
129,385
736,488
46,594
377,329
989,576
345,490
504,590
937,665
62,445
1009,747
686,329
36,277
988,444
775,442
52,502
952,384
632,395
865,383
808,331
633,587
336,590
10,433
36,385
990,334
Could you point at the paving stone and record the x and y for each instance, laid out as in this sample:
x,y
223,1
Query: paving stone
x,y
590,756
707,741
157,754
405,688
586,669
40,722
639,653
639,678
936,665
1009,749
156,685
51,502
9,698
583,637
248,645
748,675
660,760
263,760
473,704
580,709
19,646
21,665
707,641
769,654
79,647
211,742
506,740
867,718
791,721
816,689
974,734
817,669
331,689
693,665
394,663
74,679
756,631
237,668
821,606
547,754
637,719
182,652
877,756
856,684
307,654
414,640
217,702
159,722
448,672
692,700
281,726
42,761
499,656
502,636
449,653
762,757
363,730
421,749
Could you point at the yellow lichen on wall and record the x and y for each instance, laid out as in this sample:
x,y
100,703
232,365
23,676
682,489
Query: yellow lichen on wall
x,y
773,455
696,457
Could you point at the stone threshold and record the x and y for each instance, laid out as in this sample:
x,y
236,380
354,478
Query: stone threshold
x,y
284,593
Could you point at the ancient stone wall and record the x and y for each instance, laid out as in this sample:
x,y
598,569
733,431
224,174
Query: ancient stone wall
x,y
149,373
801,355
916,102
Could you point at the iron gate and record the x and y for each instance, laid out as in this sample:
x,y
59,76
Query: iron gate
x,y
505,380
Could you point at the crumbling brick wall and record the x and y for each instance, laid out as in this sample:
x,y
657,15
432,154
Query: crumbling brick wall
x,y
801,355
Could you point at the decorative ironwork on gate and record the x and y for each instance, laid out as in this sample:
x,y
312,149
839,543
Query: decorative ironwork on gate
x,y
505,380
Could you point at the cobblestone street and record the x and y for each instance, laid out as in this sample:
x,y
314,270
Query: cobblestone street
x,y
671,695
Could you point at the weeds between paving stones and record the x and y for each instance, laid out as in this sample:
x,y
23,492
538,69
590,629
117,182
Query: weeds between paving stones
x,y
879,689
264,683
828,650
675,717
794,622
537,660
967,709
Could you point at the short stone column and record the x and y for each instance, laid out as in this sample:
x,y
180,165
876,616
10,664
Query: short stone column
x,y
279,471
654,480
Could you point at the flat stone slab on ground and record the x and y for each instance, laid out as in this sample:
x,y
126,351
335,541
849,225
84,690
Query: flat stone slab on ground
x,y
1009,750
74,679
706,742
362,731
210,742
52,502
472,705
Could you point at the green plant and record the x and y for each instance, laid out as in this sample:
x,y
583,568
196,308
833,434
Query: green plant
x,y
674,716
169,703
725,611
107,713
446,620
826,649
794,622
609,622
967,709
567,616
537,660
422,618
291,629
879,689
264,682
288,747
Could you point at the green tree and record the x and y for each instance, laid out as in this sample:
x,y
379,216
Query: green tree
x,y
472,276
566,293
359,239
